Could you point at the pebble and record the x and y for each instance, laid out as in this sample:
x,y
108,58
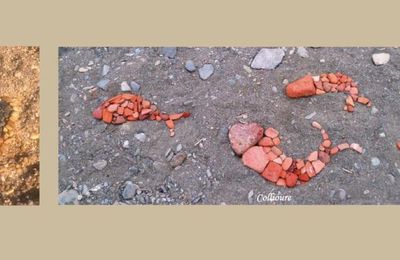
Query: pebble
x,y
222,134
275,89
375,161
247,69
129,190
268,58
84,69
169,52
125,144
141,137
382,134
189,66
178,159
302,52
309,116
135,87
103,84
206,71
250,196
391,178
100,165
125,86
85,191
68,197
179,148
380,58
285,82
342,194
105,70
374,110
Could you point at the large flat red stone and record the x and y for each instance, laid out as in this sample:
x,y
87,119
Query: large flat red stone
x,y
255,158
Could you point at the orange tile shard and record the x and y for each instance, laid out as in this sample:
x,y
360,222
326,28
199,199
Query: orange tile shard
x,y
129,107
327,83
260,152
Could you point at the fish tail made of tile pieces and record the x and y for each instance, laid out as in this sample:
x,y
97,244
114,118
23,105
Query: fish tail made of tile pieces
x,y
129,107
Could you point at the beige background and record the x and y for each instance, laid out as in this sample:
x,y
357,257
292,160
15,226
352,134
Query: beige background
x,y
367,232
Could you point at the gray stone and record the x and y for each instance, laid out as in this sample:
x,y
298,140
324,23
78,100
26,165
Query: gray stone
x,y
342,194
125,86
125,144
206,71
179,148
275,89
169,52
268,59
178,159
302,52
141,137
309,116
189,66
375,161
103,84
380,58
222,135
100,165
250,196
85,191
135,86
129,190
105,70
68,197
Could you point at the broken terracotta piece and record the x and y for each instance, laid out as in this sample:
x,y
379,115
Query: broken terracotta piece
x,y
398,144
129,107
260,152
327,83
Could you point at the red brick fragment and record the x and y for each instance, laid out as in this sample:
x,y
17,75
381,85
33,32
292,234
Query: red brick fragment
x,y
272,172
255,159
302,87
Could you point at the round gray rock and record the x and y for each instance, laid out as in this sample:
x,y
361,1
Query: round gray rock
x,y
189,66
206,71
129,190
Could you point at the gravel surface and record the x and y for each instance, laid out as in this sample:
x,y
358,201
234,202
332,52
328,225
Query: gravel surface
x,y
138,163
19,126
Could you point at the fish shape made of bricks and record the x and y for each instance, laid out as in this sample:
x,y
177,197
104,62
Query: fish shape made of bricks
x,y
328,83
259,150
129,107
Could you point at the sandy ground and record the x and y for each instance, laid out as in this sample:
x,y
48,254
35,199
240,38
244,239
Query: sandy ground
x,y
19,116
212,174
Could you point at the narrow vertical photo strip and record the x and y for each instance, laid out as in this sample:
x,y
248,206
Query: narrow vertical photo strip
x,y
229,126
19,125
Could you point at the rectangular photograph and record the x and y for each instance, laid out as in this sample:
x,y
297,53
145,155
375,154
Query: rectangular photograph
x,y
229,126
19,125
